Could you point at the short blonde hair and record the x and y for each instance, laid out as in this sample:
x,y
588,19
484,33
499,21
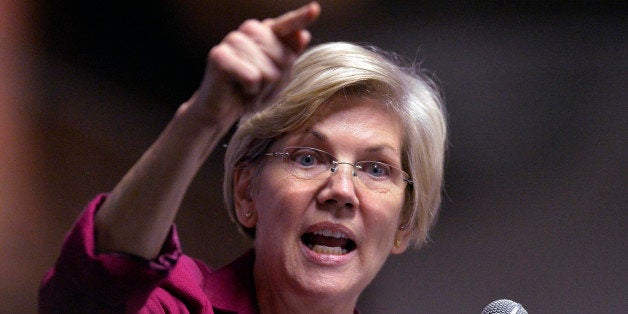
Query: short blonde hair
x,y
326,70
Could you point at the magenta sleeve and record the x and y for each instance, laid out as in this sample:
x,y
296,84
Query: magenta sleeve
x,y
86,281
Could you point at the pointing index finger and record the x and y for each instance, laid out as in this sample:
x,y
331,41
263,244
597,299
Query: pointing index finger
x,y
296,20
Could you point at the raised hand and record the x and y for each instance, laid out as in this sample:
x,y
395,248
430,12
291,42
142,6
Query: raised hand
x,y
244,68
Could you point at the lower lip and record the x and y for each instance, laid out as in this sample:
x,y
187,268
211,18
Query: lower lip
x,y
325,259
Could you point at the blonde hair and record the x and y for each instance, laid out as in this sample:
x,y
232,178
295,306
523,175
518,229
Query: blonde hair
x,y
326,70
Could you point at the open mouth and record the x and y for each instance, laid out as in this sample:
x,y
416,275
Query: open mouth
x,y
328,242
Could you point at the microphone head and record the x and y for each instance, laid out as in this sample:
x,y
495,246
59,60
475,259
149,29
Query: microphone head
x,y
504,306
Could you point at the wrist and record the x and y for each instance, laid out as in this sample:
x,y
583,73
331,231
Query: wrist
x,y
202,112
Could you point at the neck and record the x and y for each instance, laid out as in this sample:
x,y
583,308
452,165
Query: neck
x,y
277,302
282,298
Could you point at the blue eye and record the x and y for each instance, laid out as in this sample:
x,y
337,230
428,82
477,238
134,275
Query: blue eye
x,y
306,157
306,160
376,169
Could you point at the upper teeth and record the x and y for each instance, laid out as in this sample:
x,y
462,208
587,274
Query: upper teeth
x,y
329,233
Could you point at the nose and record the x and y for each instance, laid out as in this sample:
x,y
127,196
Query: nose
x,y
340,187
334,166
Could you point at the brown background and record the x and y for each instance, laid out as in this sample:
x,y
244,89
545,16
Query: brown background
x,y
535,205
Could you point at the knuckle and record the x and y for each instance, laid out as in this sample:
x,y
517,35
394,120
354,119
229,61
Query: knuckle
x,y
250,26
253,77
218,53
234,37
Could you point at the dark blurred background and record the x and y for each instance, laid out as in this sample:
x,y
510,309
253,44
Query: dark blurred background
x,y
535,195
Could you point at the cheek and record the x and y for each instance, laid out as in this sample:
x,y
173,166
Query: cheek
x,y
279,198
383,215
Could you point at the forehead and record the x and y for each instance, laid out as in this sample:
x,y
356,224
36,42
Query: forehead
x,y
352,121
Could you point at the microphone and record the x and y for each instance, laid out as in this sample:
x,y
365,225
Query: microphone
x,y
504,306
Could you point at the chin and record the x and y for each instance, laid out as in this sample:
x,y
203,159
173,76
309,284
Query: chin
x,y
331,276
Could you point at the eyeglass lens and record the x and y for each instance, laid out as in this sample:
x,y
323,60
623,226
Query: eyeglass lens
x,y
311,163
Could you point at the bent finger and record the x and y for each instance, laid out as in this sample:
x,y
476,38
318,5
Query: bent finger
x,y
267,41
244,74
297,41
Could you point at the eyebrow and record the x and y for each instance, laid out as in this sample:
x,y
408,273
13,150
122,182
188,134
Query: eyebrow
x,y
318,135
324,138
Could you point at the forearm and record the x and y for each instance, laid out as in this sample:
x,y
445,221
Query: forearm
x,y
139,212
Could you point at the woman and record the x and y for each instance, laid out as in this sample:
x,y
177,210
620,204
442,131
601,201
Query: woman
x,y
342,168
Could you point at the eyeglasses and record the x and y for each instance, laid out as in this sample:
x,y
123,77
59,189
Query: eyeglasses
x,y
308,163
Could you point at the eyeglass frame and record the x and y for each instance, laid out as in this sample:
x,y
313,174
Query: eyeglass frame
x,y
335,163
